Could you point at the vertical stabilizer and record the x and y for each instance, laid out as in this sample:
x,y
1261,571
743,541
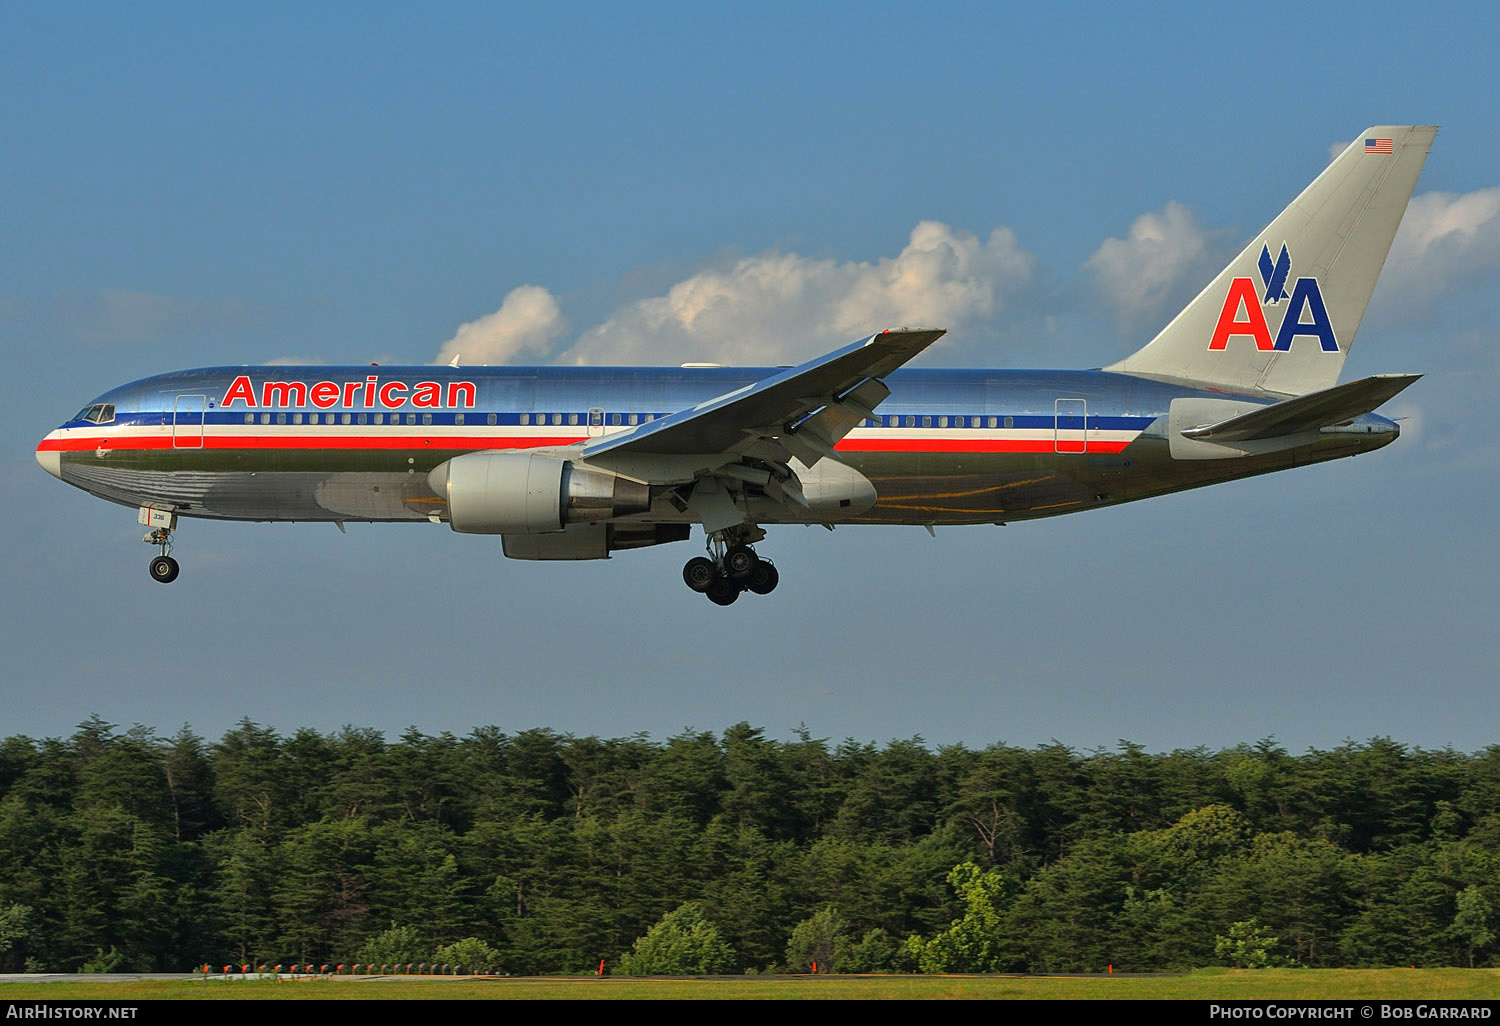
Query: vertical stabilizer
x,y
1282,316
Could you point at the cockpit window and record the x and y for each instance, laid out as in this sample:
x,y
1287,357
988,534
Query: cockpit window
x,y
98,413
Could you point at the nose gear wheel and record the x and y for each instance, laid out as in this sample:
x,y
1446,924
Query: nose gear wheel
x,y
164,568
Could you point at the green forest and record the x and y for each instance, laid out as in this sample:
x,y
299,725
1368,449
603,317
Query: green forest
x,y
546,853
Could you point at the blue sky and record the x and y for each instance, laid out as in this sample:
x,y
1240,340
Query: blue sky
x,y
188,185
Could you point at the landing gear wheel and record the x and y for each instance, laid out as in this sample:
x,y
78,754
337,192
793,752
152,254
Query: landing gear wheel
x,y
164,569
699,573
739,562
723,591
763,578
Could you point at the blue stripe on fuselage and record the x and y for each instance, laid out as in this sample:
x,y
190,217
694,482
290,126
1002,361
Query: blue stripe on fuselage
x,y
1114,400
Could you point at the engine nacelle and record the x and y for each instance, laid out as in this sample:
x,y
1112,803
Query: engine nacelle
x,y
527,493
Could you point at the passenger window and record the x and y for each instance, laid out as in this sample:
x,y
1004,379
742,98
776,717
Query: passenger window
x,y
362,418
281,418
525,418
458,418
993,422
573,419
426,418
492,419
557,418
347,418
250,418
411,418
634,419
296,418
265,418
1010,422
380,418
614,418
942,422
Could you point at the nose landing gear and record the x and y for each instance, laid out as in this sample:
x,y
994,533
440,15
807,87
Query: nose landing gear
x,y
728,571
163,567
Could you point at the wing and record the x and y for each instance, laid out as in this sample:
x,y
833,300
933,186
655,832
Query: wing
x,y
806,408
751,436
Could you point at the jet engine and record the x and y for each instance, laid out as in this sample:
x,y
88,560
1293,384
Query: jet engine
x,y
527,493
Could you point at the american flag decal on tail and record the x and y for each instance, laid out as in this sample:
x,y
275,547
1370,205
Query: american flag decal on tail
x,y
1378,146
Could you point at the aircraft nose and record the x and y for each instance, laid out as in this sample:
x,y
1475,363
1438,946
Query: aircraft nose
x,y
51,461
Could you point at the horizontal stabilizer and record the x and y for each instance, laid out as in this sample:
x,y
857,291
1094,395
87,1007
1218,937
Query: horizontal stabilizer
x,y
1306,412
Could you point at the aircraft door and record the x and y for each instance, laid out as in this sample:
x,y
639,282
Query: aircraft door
x,y
596,422
1070,430
187,421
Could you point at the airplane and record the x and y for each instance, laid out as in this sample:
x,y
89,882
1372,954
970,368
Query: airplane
x,y
581,462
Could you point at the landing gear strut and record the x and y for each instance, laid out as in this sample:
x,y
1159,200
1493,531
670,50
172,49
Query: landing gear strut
x,y
163,567
730,569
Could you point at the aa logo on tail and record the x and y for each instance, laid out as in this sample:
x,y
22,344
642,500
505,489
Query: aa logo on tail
x,y
1243,312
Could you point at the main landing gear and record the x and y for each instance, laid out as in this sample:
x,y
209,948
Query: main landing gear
x,y
729,570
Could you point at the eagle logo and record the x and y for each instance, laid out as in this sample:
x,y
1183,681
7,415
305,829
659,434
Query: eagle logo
x,y
1274,275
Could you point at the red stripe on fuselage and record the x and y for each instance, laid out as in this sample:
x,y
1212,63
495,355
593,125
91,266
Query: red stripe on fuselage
x,y
129,442
975,445
302,442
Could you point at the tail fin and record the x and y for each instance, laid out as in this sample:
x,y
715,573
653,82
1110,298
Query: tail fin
x,y
1282,316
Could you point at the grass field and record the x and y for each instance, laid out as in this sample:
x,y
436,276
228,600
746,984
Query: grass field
x,y
1203,985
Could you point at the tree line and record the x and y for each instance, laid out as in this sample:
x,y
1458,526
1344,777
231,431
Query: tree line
x,y
129,850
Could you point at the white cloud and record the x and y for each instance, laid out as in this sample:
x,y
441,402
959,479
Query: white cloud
x,y
1165,251
780,307
1334,149
1446,240
528,321
783,307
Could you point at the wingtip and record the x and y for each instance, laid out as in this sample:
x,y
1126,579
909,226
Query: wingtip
x,y
908,329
